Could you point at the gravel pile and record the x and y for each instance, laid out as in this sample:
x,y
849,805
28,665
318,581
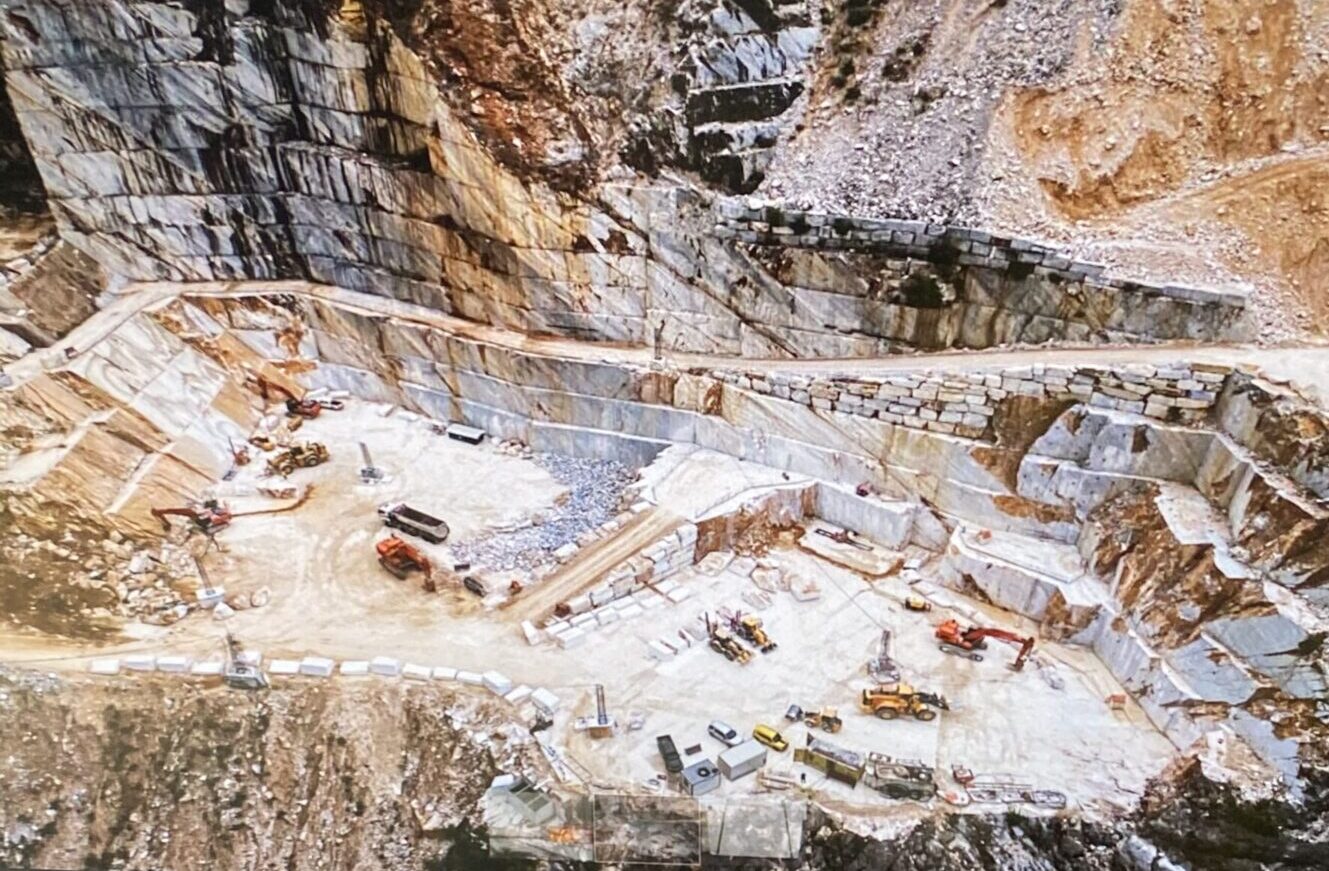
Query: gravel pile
x,y
594,490
909,141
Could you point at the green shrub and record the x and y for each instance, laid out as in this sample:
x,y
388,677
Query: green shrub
x,y
922,291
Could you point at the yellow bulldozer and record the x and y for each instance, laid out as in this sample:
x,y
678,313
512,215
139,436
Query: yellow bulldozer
x,y
826,719
890,701
749,627
725,643
302,455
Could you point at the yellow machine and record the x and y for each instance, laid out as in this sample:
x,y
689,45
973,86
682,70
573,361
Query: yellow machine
x,y
731,648
770,737
725,642
302,455
750,627
917,603
889,701
827,719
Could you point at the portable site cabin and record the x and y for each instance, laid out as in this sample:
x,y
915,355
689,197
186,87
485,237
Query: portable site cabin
x,y
741,759
701,777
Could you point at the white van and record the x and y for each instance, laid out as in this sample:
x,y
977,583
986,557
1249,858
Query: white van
x,y
724,733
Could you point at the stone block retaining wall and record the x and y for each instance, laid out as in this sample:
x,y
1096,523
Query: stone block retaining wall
x,y
1006,290
964,403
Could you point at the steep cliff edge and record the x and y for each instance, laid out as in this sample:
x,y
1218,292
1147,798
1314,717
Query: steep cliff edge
x,y
191,777
175,777
1187,139
312,141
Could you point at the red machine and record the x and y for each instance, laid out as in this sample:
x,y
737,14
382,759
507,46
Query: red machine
x,y
239,455
306,408
401,558
966,642
208,517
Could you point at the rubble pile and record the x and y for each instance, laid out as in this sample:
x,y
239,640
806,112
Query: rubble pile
x,y
75,586
185,776
595,488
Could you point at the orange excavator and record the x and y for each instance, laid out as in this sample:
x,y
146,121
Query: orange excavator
x,y
402,558
208,517
967,642
306,408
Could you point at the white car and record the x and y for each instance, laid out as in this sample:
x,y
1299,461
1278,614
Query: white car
x,y
724,733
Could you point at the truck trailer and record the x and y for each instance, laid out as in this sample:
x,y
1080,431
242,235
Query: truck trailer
x,y
401,516
741,760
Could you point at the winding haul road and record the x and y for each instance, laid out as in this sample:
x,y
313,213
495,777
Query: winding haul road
x,y
1305,366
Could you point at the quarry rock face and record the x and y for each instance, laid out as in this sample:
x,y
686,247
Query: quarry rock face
x,y
287,144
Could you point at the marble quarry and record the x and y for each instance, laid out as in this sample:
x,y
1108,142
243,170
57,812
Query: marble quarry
x,y
677,381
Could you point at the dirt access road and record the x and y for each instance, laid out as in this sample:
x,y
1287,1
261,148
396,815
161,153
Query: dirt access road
x,y
1305,365
592,563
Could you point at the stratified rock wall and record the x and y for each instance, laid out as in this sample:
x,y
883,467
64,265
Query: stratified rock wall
x,y
209,141
20,185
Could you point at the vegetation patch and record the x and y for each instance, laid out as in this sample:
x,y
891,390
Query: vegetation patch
x,y
923,291
849,25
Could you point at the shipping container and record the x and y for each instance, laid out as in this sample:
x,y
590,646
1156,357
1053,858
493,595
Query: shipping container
x,y
742,760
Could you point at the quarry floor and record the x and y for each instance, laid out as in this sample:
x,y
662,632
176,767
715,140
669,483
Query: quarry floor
x,y
330,598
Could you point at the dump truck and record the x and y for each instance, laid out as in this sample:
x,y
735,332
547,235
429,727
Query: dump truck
x,y
399,515
302,455
889,701
401,558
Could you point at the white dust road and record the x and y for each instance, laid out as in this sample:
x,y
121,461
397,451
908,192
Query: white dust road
x,y
1305,366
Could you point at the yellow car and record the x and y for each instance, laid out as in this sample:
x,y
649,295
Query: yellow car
x,y
771,738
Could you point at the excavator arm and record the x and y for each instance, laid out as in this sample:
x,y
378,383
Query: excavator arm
x,y
1026,644
208,517
307,408
161,513
265,386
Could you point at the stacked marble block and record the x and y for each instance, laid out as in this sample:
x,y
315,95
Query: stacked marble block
x,y
1040,292
541,699
635,586
964,403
